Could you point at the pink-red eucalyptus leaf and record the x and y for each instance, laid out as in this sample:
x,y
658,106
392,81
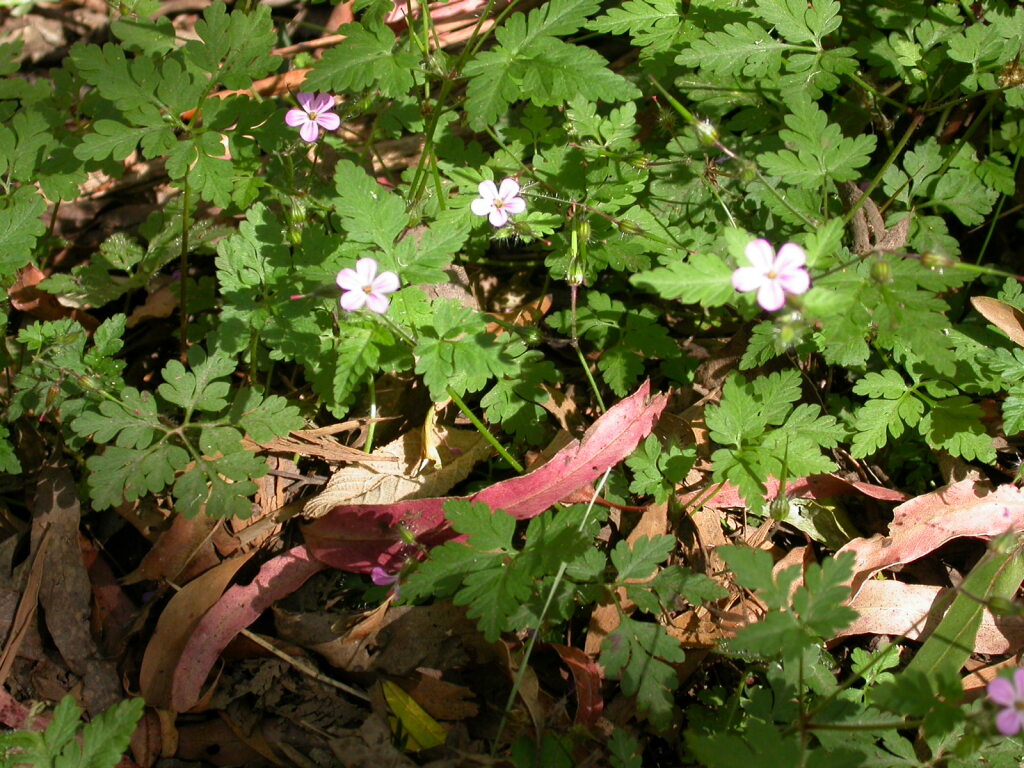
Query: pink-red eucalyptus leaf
x,y
239,607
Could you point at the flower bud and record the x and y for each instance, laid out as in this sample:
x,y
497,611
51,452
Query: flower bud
x,y
628,227
707,134
779,507
881,272
583,230
532,336
574,273
936,260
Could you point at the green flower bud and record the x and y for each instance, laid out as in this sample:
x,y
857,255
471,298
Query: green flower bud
x,y
628,227
881,272
936,261
779,507
574,273
583,230
707,134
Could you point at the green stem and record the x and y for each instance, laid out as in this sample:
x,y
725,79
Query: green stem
x,y
914,125
517,683
186,202
480,426
482,429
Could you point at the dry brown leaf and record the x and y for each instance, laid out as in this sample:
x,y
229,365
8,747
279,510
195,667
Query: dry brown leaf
x,y
174,628
1009,320
914,610
440,699
386,480
161,302
182,551
925,523
65,593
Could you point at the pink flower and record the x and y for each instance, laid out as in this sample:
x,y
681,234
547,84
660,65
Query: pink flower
x,y
363,287
382,578
1010,696
498,203
317,111
773,276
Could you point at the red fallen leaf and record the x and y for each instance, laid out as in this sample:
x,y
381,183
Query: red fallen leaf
x,y
813,487
925,523
587,677
359,537
239,607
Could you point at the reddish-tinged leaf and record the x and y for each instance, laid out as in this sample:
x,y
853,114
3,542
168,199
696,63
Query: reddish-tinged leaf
x,y
914,610
925,523
174,629
587,677
608,441
356,538
237,609
813,487
359,537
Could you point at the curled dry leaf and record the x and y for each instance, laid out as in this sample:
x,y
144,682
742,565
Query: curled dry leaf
x,y
239,607
388,474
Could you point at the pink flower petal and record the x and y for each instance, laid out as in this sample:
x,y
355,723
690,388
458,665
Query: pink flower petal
x,y
1001,692
386,282
790,256
353,300
348,280
747,279
498,217
481,207
309,131
377,302
795,282
487,190
761,254
295,118
1018,683
770,296
328,121
306,101
1009,722
321,103
515,205
367,270
509,188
